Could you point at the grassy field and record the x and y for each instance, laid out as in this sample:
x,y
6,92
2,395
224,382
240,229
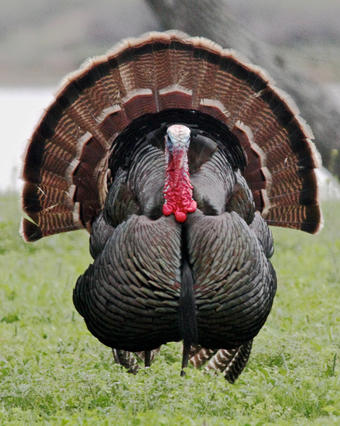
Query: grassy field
x,y
52,371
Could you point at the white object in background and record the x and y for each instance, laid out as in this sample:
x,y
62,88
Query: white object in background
x,y
329,185
20,111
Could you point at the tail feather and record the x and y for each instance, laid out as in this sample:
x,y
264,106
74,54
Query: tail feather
x,y
202,356
72,144
126,359
231,362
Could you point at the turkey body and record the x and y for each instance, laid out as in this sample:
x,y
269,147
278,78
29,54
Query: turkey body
x,y
159,117
130,297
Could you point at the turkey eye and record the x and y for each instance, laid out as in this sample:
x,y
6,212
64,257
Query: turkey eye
x,y
168,143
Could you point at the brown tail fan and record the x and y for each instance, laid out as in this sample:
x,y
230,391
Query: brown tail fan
x,y
66,165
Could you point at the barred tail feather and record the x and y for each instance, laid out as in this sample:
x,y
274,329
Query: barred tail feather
x,y
66,163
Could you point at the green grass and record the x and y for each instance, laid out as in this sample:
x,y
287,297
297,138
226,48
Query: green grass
x,y
52,371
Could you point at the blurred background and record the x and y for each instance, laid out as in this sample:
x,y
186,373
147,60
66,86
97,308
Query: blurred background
x,y
45,40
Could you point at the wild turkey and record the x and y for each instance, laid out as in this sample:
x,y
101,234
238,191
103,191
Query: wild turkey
x,y
175,155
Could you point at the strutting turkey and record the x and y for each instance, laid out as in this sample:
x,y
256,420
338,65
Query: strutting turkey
x,y
175,155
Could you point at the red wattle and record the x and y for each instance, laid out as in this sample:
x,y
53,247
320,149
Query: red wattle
x,y
180,217
178,188
167,210
192,207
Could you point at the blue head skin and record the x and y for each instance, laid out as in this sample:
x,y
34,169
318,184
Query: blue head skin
x,y
177,138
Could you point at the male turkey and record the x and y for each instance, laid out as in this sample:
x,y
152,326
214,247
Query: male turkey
x,y
175,155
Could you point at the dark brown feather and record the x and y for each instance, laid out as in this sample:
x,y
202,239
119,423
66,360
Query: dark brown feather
x,y
75,137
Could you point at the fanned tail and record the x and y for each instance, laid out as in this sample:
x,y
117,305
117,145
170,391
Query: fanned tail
x,y
66,169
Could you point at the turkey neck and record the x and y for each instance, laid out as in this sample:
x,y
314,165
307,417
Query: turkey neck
x,y
177,187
